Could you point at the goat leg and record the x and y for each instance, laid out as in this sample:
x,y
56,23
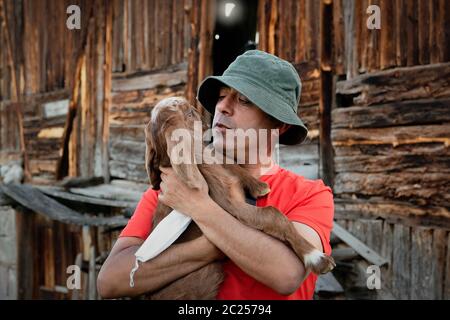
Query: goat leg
x,y
202,284
272,222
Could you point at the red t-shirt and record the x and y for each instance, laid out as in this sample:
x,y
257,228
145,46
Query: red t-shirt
x,y
306,201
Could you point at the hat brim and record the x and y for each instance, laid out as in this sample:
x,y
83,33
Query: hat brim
x,y
208,94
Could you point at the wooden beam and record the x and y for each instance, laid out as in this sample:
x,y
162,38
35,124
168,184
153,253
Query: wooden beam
x,y
173,76
207,22
272,26
107,88
193,55
413,112
63,164
59,193
406,83
327,284
426,189
363,250
394,136
15,88
35,200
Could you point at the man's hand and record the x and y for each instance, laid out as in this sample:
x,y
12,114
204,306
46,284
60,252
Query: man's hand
x,y
177,195
177,261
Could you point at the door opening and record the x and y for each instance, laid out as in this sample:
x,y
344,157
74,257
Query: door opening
x,y
234,32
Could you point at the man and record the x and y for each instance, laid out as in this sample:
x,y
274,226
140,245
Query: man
x,y
257,91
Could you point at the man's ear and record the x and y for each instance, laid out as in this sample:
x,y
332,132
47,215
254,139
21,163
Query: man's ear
x,y
180,149
152,160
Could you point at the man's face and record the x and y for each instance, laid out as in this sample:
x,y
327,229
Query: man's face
x,y
234,111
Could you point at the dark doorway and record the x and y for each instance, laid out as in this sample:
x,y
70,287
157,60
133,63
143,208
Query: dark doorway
x,y
234,32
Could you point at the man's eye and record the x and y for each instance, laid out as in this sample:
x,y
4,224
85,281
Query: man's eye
x,y
244,101
221,98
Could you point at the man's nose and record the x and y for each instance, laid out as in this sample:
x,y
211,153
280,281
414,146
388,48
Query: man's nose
x,y
226,105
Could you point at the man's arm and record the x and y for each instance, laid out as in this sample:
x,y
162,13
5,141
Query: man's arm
x,y
265,258
178,260
261,256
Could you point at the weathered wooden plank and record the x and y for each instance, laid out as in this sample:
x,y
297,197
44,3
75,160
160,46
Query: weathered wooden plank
x,y
61,194
438,263
424,31
374,44
8,282
302,159
78,263
126,170
128,151
35,200
436,148
48,257
408,83
339,37
387,38
422,274
344,254
366,252
108,191
392,135
423,189
150,81
131,132
412,56
393,211
374,234
92,275
419,163
8,244
444,11
426,111
327,284
434,31
27,255
350,36
446,294
386,252
401,264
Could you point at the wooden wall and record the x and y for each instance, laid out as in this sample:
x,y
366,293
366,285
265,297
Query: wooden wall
x,y
34,260
70,73
152,45
419,256
390,136
289,29
413,32
149,35
8,254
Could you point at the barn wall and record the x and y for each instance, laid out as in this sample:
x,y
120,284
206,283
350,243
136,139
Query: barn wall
x,y
390,136
289,29
8,254
151,42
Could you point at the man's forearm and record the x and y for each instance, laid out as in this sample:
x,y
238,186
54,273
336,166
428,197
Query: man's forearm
x,y
265,258
177,261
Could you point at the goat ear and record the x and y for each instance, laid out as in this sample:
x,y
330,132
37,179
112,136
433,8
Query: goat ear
x,y
184,164
151,160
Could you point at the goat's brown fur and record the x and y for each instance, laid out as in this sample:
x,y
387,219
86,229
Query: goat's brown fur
x,y
227,185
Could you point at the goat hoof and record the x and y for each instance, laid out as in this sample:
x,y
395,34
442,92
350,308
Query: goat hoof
x,y
260,190
319,262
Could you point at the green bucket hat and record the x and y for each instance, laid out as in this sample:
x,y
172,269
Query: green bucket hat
x,y
272,84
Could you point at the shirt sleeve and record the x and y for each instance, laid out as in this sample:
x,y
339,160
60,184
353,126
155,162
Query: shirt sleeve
x,y
316,210
140,223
